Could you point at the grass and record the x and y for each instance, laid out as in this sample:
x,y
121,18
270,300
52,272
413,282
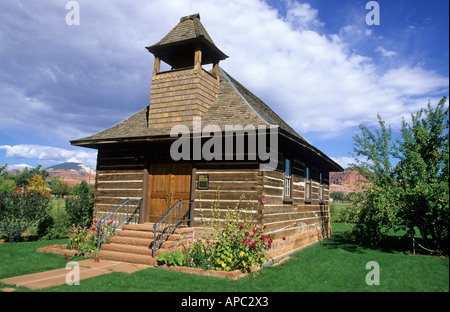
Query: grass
x,y
333,265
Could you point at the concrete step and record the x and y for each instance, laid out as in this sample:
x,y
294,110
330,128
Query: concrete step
x,y
126,257
148,227
136,234
138,250
124,240
134,244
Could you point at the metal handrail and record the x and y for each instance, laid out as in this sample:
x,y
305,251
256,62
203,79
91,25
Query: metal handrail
x,y
118,217
180,212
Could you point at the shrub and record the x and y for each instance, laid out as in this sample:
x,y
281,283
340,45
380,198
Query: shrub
x,y
80,210
174,258
19,212
55,225
85,239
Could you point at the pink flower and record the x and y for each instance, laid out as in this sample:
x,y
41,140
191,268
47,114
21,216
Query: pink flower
x,y
263,200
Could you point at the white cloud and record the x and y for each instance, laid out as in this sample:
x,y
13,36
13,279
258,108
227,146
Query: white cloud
x,y
49,154
19,167
344,161
71,81
385,52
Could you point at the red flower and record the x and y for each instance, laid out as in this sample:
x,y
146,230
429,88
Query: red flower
x,y
96,260
262,237
70,259
241,226
246,233
283,264
82,240
284,238
255,230
245,241
265,226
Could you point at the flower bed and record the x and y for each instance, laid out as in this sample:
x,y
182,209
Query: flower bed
x,y
237,244
84,240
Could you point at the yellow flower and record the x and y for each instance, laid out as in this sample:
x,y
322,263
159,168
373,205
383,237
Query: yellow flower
x,y
241,254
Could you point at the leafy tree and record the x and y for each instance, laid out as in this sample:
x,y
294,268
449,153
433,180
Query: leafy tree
x,y
37,185
7,184
408,178
59,187
28,173
80,210
424,174
337,196
81,189
19,212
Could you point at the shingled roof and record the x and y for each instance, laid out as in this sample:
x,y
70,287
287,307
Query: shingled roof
x,y
235,105
190,34
188,28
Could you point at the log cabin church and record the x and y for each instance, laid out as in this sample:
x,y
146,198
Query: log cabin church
x,y
139,158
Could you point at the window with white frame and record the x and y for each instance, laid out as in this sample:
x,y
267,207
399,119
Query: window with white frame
x,y
308,184
287,179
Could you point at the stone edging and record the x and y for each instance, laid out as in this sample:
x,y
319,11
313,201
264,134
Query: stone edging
x,y
233,275
61,250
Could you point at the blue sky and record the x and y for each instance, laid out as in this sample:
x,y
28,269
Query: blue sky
x,y
316,63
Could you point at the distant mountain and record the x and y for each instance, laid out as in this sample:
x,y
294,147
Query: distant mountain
x,y
346,182
72,173
70,166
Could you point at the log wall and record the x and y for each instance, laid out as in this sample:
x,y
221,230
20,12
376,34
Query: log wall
x,y
119,176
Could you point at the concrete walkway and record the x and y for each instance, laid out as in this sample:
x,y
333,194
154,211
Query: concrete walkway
x,y
86,269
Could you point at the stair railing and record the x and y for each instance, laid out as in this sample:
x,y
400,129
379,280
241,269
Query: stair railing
x,y
179,213
123,213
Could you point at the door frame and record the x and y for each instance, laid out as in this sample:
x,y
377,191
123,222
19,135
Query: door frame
x,y
144,211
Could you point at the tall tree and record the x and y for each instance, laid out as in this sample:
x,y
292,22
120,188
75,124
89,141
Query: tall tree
x,y
408,178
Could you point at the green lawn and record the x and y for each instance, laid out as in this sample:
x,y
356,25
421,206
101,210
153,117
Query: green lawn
x,y
334,265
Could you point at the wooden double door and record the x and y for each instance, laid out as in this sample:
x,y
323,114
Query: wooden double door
x,y
167,183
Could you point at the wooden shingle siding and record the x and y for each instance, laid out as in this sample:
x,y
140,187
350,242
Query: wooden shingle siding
x,y
178,96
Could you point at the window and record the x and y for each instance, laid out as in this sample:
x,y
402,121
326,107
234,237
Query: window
x,y
287,179
308,184
321,186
